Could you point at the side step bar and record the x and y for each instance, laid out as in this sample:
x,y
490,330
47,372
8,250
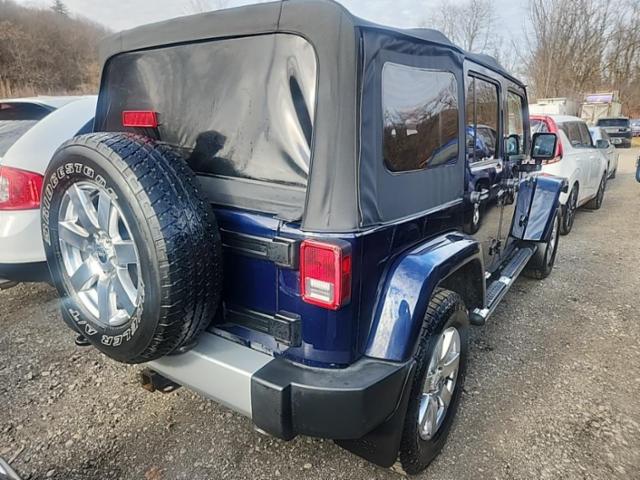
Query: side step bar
x,y
497,289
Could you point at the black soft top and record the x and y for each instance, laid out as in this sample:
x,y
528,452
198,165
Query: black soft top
x,y
291,16
346,182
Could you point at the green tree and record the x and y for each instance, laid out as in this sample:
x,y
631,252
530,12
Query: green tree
x,y
59,7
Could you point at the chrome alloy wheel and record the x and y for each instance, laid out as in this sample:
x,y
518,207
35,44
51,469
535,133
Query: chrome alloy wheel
x,y
440,383
476,214
551,248
99,254
571,207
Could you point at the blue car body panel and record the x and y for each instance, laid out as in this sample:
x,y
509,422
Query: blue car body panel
x,y
409,285
395,271
533,217
329,338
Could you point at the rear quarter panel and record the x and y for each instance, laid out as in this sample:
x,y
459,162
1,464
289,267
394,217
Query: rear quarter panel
x,y
573,167
409,285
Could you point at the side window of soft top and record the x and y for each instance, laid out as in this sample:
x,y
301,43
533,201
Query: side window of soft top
x,y
482,118
515,123
420,117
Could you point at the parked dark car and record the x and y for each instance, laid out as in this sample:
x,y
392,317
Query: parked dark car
x,y
273,212
619,129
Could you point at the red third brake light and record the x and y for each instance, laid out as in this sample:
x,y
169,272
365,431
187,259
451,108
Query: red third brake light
x,y
139,118
19,189
325,273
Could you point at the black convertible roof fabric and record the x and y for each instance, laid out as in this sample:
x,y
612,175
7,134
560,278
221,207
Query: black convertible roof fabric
x,y
341,193
262,18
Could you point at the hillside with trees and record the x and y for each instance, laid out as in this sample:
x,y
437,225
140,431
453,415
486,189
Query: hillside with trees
x,y
47,51
568,48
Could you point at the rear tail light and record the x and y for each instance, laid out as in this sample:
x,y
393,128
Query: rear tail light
x,y
325,273
19,189
139,119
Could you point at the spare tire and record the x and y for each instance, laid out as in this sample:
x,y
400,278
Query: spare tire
x,y
133,247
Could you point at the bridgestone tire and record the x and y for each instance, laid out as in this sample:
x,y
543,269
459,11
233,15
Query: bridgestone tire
x,y
446,309
174,232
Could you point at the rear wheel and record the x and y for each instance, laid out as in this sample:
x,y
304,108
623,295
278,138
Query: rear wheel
x,y
437,385
569,211
596,202
132,245
541,263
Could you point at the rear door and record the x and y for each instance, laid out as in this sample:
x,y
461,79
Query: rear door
x,y
485,165
241,111
514,125
594,157
579,156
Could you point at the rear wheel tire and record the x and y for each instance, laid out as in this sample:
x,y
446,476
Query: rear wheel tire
x,y
569,212
541,263
132,245
437,384
596,202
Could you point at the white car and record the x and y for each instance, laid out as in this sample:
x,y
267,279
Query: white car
x,y
578,160
602,141
31,129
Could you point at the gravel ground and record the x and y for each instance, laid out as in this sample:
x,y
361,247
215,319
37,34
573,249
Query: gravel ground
x,y
553,387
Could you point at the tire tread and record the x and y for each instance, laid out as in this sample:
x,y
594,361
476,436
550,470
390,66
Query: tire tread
x,y
181,222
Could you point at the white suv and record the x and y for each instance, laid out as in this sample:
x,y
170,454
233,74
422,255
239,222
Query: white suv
x,y
578,160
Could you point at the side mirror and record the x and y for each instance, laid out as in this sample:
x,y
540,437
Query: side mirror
x,y
512,145
543,146
602,144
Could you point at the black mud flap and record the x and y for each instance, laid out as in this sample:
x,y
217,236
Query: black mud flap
x,y
381,445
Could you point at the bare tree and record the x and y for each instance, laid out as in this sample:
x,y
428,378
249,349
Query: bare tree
x,y
570,38
43,51
621,68
469,23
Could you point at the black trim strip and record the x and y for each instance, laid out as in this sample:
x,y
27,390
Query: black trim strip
x,y
284,327
284,252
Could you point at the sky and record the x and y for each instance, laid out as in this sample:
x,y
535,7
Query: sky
x,y
124,14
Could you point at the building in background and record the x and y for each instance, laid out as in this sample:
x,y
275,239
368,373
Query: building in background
x,y
554,106
600,105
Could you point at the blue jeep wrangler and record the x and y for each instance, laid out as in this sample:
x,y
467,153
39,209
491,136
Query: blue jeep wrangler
x,y
276,209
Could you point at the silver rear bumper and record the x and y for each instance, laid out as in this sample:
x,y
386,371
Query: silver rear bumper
x,y
217,368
